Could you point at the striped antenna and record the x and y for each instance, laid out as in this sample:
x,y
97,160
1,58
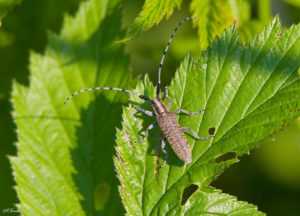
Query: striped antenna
x,y
166,49
106,88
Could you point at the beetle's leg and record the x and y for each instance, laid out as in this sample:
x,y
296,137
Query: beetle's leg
x,y
163,144
195,135
146,133
149,113
187,112
167,96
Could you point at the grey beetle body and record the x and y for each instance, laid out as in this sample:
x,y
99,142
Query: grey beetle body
x,y
170,127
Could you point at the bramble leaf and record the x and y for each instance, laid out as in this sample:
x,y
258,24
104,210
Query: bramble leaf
x,y
247,27
214,17
248,94
64,164
152,13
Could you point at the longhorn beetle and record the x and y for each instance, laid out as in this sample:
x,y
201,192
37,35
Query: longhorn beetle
x,y
165,118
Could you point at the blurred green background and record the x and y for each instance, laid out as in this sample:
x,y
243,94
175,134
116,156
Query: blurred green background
x,y
269,177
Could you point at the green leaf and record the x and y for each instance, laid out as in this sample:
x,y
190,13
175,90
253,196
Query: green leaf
x,y
152,13
214,16
248,94
210,201
64,164
247,27
6,6
247,30
241,10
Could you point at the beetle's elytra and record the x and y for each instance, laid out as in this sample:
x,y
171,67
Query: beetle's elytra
x,y
174,134
165,118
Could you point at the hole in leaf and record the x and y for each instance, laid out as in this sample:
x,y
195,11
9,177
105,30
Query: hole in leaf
x,y
188,192
211,131
225,157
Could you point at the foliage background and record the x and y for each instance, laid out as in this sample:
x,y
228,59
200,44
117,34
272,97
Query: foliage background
x,y
269,178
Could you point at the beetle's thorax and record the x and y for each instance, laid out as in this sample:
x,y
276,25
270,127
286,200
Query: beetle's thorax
x,y
158,106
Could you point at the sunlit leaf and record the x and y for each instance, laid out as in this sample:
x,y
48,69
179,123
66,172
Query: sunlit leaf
x,y
214,17
247,30
247,27
241,9
152,13
64,164
248,92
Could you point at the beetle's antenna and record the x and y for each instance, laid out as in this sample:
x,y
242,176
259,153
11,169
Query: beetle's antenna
x,y
166,49
107,88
